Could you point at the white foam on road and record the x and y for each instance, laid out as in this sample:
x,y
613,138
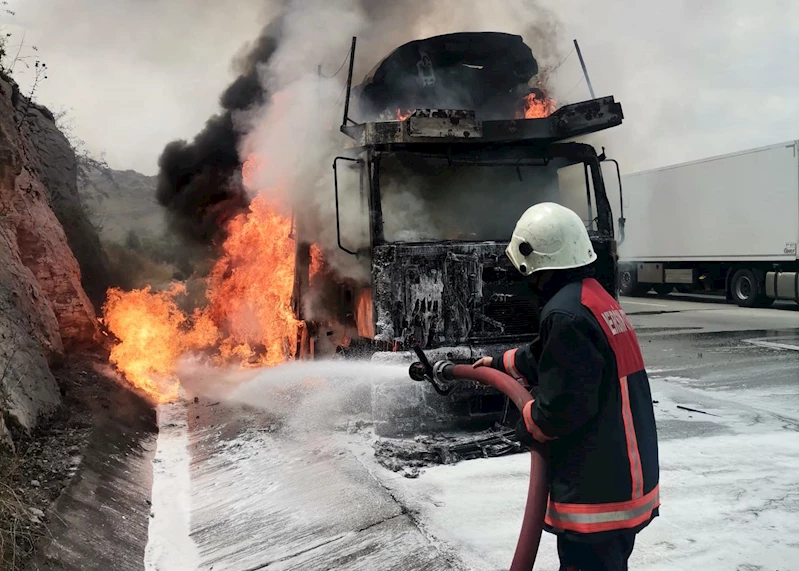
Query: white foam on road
x,y
170,546
772,344
730,501
474,508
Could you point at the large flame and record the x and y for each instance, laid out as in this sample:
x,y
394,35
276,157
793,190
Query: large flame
x,y
251,285
538,106
153,333
247,319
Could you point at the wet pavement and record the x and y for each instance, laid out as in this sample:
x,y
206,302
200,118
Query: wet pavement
x,y
262,498
246,487
680,314
725,381
100,520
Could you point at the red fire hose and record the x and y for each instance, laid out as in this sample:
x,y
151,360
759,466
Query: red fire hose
x,y
538,490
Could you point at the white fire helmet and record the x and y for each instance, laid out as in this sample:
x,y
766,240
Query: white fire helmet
x,y
549,236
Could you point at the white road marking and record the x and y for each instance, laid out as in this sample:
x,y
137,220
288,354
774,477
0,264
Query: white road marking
x,y
169,545
644,303
772,344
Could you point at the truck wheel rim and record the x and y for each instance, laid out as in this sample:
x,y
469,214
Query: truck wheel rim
x,y
626,278
743,289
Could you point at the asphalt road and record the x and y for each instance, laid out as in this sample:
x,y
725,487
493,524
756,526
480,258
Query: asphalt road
x,y
705,314
725,381
300,488
719,348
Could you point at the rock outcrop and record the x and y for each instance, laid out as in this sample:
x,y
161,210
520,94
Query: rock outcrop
x,y
54,161
44,310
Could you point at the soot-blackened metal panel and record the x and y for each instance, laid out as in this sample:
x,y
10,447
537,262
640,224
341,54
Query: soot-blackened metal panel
x,y
438,124
449,293
567,122
487,72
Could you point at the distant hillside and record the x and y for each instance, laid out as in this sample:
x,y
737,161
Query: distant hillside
x,y
120,201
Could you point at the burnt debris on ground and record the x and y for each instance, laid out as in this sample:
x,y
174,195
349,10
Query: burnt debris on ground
x,y
408,456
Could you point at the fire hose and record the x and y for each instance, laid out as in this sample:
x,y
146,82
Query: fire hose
x,y
441,375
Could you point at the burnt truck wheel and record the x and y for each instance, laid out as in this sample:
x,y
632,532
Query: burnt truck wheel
x,y
628,283
746,289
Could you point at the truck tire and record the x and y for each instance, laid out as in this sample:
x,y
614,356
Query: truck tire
x,y
628,283
747,291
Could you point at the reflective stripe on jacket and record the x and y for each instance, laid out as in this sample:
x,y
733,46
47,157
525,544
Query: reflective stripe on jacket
x,y
594,407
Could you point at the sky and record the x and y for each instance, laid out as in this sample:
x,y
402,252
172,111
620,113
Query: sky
x,y
694,79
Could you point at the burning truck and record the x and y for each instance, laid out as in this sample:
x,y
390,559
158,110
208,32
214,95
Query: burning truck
x,y
446,146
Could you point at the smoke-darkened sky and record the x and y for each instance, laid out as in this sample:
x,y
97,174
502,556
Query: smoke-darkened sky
x,y
695,79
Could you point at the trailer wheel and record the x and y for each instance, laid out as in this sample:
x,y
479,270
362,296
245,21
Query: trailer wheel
x,y
746,290
628,283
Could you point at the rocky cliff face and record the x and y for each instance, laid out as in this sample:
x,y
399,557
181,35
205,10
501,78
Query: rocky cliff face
x,y
53,161
44,310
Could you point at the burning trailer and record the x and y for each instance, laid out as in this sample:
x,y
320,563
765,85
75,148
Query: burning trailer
x,y
450,145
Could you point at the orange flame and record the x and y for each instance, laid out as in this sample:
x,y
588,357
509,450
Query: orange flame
x,y
317,263
250,287
152,336
538,107
363,315
250,169
247,319
404,114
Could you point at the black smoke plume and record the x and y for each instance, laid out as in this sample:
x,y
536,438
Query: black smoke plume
x,y
198,181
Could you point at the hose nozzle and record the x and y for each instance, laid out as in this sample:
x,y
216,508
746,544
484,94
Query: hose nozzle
x,y
418,372
438,374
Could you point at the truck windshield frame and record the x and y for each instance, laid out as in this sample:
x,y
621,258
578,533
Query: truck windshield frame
x,y
529,164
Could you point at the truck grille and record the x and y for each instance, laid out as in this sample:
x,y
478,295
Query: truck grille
x,y
517,315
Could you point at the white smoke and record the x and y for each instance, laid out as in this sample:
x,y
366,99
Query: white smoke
x,y
462,203
304,396
297,132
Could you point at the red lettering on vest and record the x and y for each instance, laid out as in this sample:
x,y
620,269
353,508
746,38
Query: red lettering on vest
x,y
618,329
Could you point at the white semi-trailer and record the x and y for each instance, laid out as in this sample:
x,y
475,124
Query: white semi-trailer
x,y
728,223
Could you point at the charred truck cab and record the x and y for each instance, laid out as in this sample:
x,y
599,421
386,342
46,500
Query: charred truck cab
x,y
442,166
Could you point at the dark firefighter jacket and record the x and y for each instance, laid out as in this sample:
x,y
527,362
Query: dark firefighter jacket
x,y
594,408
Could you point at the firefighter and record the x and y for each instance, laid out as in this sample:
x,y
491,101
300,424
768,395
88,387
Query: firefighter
x,y
592,406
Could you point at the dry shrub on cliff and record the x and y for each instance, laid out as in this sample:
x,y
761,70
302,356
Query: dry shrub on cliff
x,y
19,529
22,54
4,36
16,538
